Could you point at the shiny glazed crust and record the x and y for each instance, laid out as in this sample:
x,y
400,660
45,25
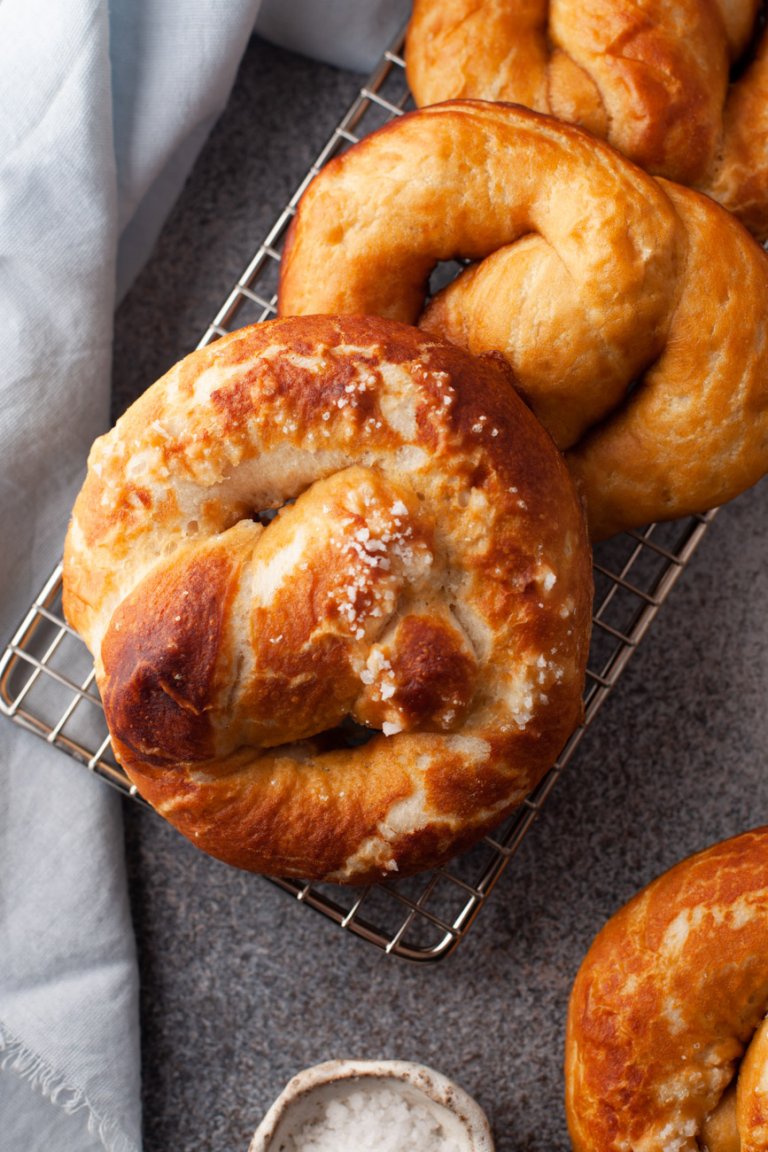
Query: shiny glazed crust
x,y
669,997
427,575
633,312
651,77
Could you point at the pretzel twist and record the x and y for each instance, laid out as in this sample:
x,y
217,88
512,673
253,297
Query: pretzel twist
x,y
667,1044
633,312
427,576
650,77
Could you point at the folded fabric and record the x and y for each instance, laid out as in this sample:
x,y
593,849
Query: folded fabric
x,y
65,939
343,32
105,107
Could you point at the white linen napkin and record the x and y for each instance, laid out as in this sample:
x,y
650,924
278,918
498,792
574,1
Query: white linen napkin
x,y
349,33
103,109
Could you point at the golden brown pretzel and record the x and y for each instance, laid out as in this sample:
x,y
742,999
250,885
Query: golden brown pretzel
x,y
624,304
672,993
651,77
428,576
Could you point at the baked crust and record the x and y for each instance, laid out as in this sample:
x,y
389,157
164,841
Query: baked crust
x,y
669,997
633,312
427,575
654,426
652,78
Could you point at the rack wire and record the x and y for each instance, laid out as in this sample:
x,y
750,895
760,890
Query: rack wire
x,y
47,680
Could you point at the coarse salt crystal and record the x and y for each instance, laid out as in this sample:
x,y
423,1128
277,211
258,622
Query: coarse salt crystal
x,y
371,1119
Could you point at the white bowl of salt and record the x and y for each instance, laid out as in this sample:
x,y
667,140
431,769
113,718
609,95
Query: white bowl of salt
x,y
373,1106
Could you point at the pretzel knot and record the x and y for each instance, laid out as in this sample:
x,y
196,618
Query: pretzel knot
x,y
667,1043
634,312
653,78
426,580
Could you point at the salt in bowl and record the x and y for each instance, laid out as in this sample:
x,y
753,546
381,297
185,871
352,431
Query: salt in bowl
x,y
372,1106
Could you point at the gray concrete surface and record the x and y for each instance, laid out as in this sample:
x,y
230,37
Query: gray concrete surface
x,y
241,986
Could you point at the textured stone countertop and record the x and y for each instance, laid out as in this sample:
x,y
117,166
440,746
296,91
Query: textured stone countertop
x,y
241,986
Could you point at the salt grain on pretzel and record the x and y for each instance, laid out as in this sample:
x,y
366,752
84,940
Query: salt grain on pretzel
x,y
427,576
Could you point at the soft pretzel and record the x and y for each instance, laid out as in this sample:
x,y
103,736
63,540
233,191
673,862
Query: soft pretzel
x,y
624,304
651,77
427,577
666,1044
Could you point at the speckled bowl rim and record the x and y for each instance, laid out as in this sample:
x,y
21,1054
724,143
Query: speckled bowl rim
x,y
432,1084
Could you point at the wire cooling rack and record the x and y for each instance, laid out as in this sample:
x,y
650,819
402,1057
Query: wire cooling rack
x,y
47,678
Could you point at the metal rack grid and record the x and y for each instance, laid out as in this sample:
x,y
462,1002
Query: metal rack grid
x,y
47,677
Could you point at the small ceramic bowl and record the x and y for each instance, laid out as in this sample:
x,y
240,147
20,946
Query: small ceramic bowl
x,y
460,1117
